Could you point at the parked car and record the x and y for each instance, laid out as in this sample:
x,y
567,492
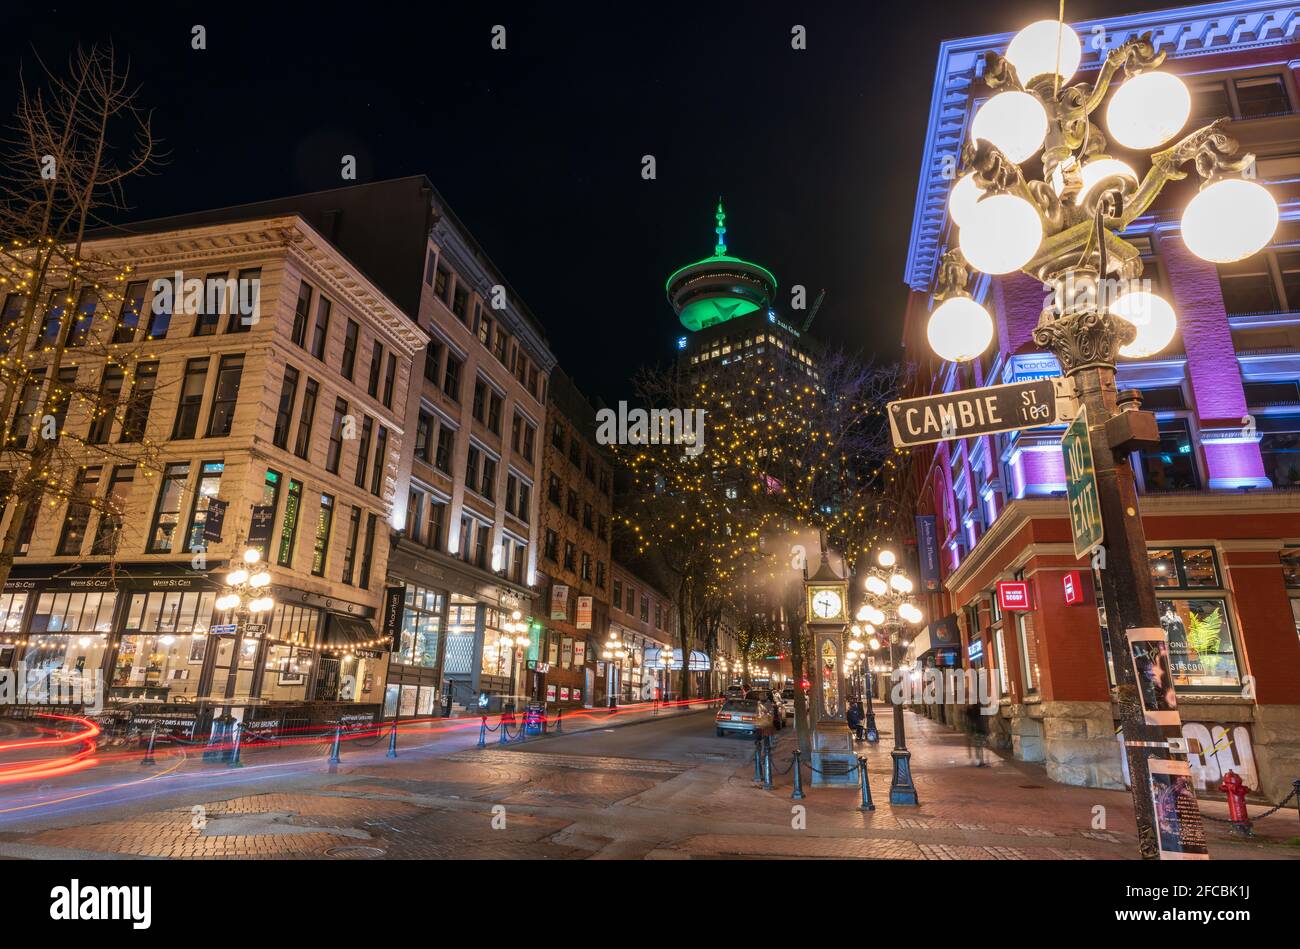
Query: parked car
x,y
787,702
748,716
770,698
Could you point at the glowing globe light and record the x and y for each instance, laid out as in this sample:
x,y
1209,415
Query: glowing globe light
x,y
959,329
1229,220
1015,122
1044,48
235,577
874,643
963,197
1148,110
1002,234
1154,319
1098,170
252,555
900,583
886,558
876,586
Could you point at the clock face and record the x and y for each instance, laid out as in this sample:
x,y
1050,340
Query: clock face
x,y
826,604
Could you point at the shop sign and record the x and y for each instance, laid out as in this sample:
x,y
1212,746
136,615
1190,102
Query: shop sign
x,y
534,644
975,651
550,693
944,631
260,526
927,551
576,695
214,519
564,694
540,667
559,601
566,652
168,721
394,612
580,652
584,612
1076,590
1015,595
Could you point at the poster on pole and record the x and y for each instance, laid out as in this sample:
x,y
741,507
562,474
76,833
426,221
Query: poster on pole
x,y
1155,680
1180,835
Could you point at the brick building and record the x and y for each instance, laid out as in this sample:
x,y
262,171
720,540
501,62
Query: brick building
x,y
1220,503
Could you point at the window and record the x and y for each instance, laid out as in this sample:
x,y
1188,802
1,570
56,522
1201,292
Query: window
x,y
551,546
588,519
421,622
499,346
1279,445
376,365
300,314
289,523
52,322
60,396
390,376
216,292
128,317
350,551
645,608
1272,393
1248,286
1182,567
414,514
167,512
459,301
230,370
437,524
471,468
209,487
350,349
73,535
570,555
82,318
191,398
160,314
442,283
494,413
618,593
553,490
381,462
557,436
423,436
363,450
270,501
320,334
368,551
602,527
284,411
137,411
429,261
586,566
530,436
324,521
334,453
110,392
480,400
310,392
489,484
451,378
1261,95
600,574
432,360
446,447
109,530
1171,465
245,301
571,504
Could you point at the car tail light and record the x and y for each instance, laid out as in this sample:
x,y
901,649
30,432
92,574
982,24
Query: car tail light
x,y
747,718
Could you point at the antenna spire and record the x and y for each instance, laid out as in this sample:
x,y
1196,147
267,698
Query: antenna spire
x,y
721,230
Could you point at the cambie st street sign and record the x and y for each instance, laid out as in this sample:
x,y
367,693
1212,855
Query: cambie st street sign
x,y
1081,486
1008,408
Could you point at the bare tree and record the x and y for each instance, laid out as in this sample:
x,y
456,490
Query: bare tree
x,y
76,138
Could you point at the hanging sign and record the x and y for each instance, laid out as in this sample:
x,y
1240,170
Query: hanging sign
x,y
1015,595
213,519
1075,589
394,611
584,612
559,601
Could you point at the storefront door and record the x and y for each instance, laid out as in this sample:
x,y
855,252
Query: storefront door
x,y
327,680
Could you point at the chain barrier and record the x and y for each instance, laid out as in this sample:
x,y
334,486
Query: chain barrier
x,y
1268,813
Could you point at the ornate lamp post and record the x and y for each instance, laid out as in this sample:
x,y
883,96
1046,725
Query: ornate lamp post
x,y
613,652
889,607
1063,230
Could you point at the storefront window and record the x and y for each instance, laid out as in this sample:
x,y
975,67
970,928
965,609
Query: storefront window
x,y
1171,465
1201,651
291,636
421,619
1291,577
12,607
498,647
1028,654
162,647
1183,567
460,636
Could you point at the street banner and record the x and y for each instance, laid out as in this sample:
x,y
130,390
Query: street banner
x,y
534,642
394,612
584,612
260,525
982,411
945,632
566,652
1180,835
927,551
559,601
580,652
553,650
213,519
1081,487
1155,680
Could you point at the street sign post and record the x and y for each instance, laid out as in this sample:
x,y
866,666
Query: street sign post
x,y
984,411
1081,487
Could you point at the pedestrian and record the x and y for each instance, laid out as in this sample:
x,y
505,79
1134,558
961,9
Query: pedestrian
x,y
854,716
976,734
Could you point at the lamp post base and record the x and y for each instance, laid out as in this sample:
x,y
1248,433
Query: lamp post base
x,y
873,733
901,789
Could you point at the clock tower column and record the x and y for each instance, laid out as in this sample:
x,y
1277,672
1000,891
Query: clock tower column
x,y
826,604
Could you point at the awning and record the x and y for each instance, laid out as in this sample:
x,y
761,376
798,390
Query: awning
x,y
650,658
699,661
343,630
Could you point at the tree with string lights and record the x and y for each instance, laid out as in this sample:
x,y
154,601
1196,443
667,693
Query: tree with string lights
x,y
75,140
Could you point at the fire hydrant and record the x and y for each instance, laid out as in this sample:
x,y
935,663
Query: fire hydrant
x,y
1236,790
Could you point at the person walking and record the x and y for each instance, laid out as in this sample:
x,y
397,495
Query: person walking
x,y
976,734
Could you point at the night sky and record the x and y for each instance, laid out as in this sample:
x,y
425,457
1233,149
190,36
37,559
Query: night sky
x,y
538,148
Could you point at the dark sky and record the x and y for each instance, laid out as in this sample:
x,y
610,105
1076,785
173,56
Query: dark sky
x,y
538,148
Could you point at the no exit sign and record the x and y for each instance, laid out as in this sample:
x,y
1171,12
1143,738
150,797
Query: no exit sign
x,y
1015,595
1076,589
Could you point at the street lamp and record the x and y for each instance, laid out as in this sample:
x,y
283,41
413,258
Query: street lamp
x,y
888,607
245,594
1063,231
613,652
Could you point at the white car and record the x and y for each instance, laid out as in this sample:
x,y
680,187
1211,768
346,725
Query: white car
x,y
787,702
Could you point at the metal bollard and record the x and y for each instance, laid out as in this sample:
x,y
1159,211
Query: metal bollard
x,y
797,794
482,732
392,740
866,804
501,727
758,759
338,744
237,734
767,762
148,752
